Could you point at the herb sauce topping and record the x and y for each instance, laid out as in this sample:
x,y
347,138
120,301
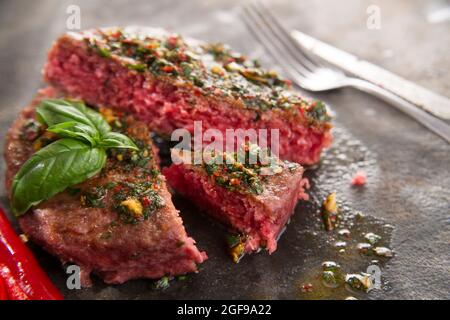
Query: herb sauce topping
x,y
138,197
246,171
212,69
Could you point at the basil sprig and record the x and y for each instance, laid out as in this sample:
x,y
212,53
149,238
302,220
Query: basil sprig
x,y
77,156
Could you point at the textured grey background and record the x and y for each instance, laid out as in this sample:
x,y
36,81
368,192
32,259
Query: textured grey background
x,y
409,167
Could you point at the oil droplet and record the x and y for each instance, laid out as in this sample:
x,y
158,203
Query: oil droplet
x,y
359,282
364,248
344,232
340,244
359,215
330,279
383,252
372,238
330,265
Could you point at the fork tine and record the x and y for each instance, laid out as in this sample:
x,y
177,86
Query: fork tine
x,y
271,50
272,22
272,44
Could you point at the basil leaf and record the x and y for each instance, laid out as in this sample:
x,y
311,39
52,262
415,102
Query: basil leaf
x,y
52,169
117,140
76,130
55,111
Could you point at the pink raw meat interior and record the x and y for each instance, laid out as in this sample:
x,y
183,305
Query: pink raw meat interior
x,y
83,73
260,217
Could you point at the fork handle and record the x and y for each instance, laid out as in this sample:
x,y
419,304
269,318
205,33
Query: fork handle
x,y
439,127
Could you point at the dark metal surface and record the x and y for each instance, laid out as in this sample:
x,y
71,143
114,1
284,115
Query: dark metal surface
x,y
408,167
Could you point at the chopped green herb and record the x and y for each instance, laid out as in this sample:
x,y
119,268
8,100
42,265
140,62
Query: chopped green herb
x,y
317,112
94,197
233,240
137,67
162,284
246,175
104,52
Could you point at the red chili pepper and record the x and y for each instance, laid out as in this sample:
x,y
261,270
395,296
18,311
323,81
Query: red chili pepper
x,y
234,182
168,68
116,34
128,41
13,291
20,273
3,292
182,56
146,201
229,60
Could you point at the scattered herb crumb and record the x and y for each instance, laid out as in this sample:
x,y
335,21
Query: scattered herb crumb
x,y
162,284
330,212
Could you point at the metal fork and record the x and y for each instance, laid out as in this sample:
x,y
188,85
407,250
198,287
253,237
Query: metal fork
x,y
310,74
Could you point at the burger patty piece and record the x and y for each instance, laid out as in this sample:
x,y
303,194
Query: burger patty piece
x,y
255,200
120,224
170,82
